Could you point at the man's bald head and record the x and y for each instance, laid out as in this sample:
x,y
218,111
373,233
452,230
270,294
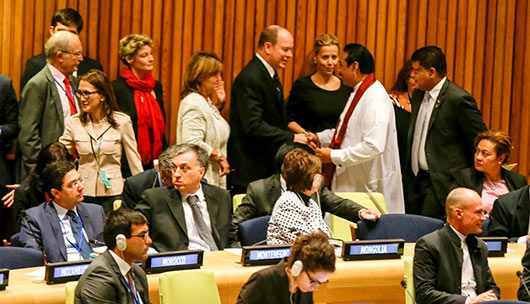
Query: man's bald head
x,y
465,211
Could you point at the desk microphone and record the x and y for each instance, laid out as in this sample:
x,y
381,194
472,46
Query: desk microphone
x,y
96,242
520,276
25,219
404,285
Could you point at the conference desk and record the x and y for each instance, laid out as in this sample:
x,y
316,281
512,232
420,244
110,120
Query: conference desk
x,y
353,281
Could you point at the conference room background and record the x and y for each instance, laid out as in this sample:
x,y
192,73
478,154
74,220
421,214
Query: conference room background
x,y
487,42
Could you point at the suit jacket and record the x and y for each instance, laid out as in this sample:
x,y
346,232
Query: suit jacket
x,y
258,124
103,282
438,267
36,63
45,223
135,186
167,225
8,125
509,216
263,194
522,294
40,116
454,123
473,179
114,144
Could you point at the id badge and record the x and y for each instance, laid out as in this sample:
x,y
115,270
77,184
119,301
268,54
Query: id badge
x,y
105,179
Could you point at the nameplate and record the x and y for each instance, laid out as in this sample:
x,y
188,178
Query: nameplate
x,y
373,249
173,260
264,254
497,245
4,278
65,271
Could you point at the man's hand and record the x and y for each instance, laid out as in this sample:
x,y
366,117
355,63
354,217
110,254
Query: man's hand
x,y
9,198
324,154
225,167
313,140
369,214
300,138
483,297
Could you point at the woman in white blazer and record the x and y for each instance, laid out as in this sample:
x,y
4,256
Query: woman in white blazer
x,y
199,120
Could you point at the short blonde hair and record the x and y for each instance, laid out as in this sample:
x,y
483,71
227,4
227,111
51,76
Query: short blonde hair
x,y
310,67
130,44
201,66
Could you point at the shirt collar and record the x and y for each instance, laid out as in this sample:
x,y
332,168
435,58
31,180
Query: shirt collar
x,y
122,265
460,235
199,194
435,91
58,75
61,211
283,183
269,68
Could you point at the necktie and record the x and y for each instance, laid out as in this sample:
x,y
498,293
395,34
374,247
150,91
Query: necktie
x,y
130,280
204,233
78,235
69,95
418,133
277,85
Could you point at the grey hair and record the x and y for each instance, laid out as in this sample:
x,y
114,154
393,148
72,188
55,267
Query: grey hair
x,y
165,160
60,41
202,155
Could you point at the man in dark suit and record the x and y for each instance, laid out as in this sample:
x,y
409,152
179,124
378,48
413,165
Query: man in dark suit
x,y
444,122
257,111
113,277
523,294
66,19
263,194
451,264
60,226
188,214
159,176
48,100
509,216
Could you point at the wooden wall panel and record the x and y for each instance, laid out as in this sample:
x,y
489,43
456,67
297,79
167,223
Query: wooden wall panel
x,y
487,42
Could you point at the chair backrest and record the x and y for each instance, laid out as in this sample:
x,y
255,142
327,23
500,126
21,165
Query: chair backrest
x,y
188,286
254,230
70,292
408,263
484,228
17,257
340,228
409,227
236,201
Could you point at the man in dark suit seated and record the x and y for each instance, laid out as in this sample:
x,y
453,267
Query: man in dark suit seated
x,y
263,194
64,226
113,277
509,216
451,264
523,294
66,19
159,176
188,214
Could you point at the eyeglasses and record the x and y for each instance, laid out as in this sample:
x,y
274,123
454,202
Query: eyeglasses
x,y
141,235
76,54
75,183
314,281
84,94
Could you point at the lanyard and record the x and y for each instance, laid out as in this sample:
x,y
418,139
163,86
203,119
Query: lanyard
x,y
135,296
81,238
72,102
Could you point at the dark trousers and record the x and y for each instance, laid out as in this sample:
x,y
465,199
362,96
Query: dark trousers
x,y
420,197
107,202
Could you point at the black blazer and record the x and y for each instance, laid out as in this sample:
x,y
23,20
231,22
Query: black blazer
x,y
263,194
473,179
509,216
167,226
258,124
454,123
134,187
8,125
36,63
522,294
438,267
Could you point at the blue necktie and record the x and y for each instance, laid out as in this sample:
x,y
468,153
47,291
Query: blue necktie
x,y
78,235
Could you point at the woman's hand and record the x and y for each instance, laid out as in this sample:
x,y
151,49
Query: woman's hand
x,y
225,166
219,89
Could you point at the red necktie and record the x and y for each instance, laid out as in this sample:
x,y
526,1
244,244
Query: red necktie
x,y
70,96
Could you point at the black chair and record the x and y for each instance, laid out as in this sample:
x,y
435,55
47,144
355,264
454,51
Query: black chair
x,y
17,257
484,228
253,231
409,227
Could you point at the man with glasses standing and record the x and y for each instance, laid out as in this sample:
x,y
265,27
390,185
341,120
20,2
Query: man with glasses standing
x,y
64,227
113,277
47,101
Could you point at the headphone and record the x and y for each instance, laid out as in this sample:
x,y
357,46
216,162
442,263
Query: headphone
x,y
316,180
297,268
121,243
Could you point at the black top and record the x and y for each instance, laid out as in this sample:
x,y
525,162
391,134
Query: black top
x,y
271,286
314,108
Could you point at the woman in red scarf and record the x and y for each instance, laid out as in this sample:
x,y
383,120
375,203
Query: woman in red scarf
x,y
140,96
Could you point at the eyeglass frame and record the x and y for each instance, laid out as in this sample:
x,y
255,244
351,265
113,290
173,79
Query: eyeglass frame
x,y
141,235
76,54
313,281
83,94
75,184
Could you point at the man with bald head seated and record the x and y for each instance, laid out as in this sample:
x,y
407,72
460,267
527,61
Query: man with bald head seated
x,y
263,194
451,264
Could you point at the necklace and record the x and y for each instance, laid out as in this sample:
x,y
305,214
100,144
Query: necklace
x,y
491,183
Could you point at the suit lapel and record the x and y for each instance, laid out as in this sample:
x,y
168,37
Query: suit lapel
x,y
270,82
83,213
116,270
55,226
437,103
175,206
212,203
52,88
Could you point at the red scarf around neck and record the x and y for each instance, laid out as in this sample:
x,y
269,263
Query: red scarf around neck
x,y
151,124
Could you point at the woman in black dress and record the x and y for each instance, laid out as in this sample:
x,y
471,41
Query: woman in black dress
x,y
316,101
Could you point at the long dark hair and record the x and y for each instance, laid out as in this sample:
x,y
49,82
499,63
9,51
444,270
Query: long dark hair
x,y
101,82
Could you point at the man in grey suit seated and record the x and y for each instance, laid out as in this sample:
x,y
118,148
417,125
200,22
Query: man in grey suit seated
x,y
263,194
188,214
64,226
113,277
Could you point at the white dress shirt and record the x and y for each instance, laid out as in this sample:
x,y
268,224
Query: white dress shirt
x,y
468,276
269,68
196,242
59,83
68,236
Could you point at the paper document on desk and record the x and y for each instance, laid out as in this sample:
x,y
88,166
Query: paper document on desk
x,y
38,273
236,251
